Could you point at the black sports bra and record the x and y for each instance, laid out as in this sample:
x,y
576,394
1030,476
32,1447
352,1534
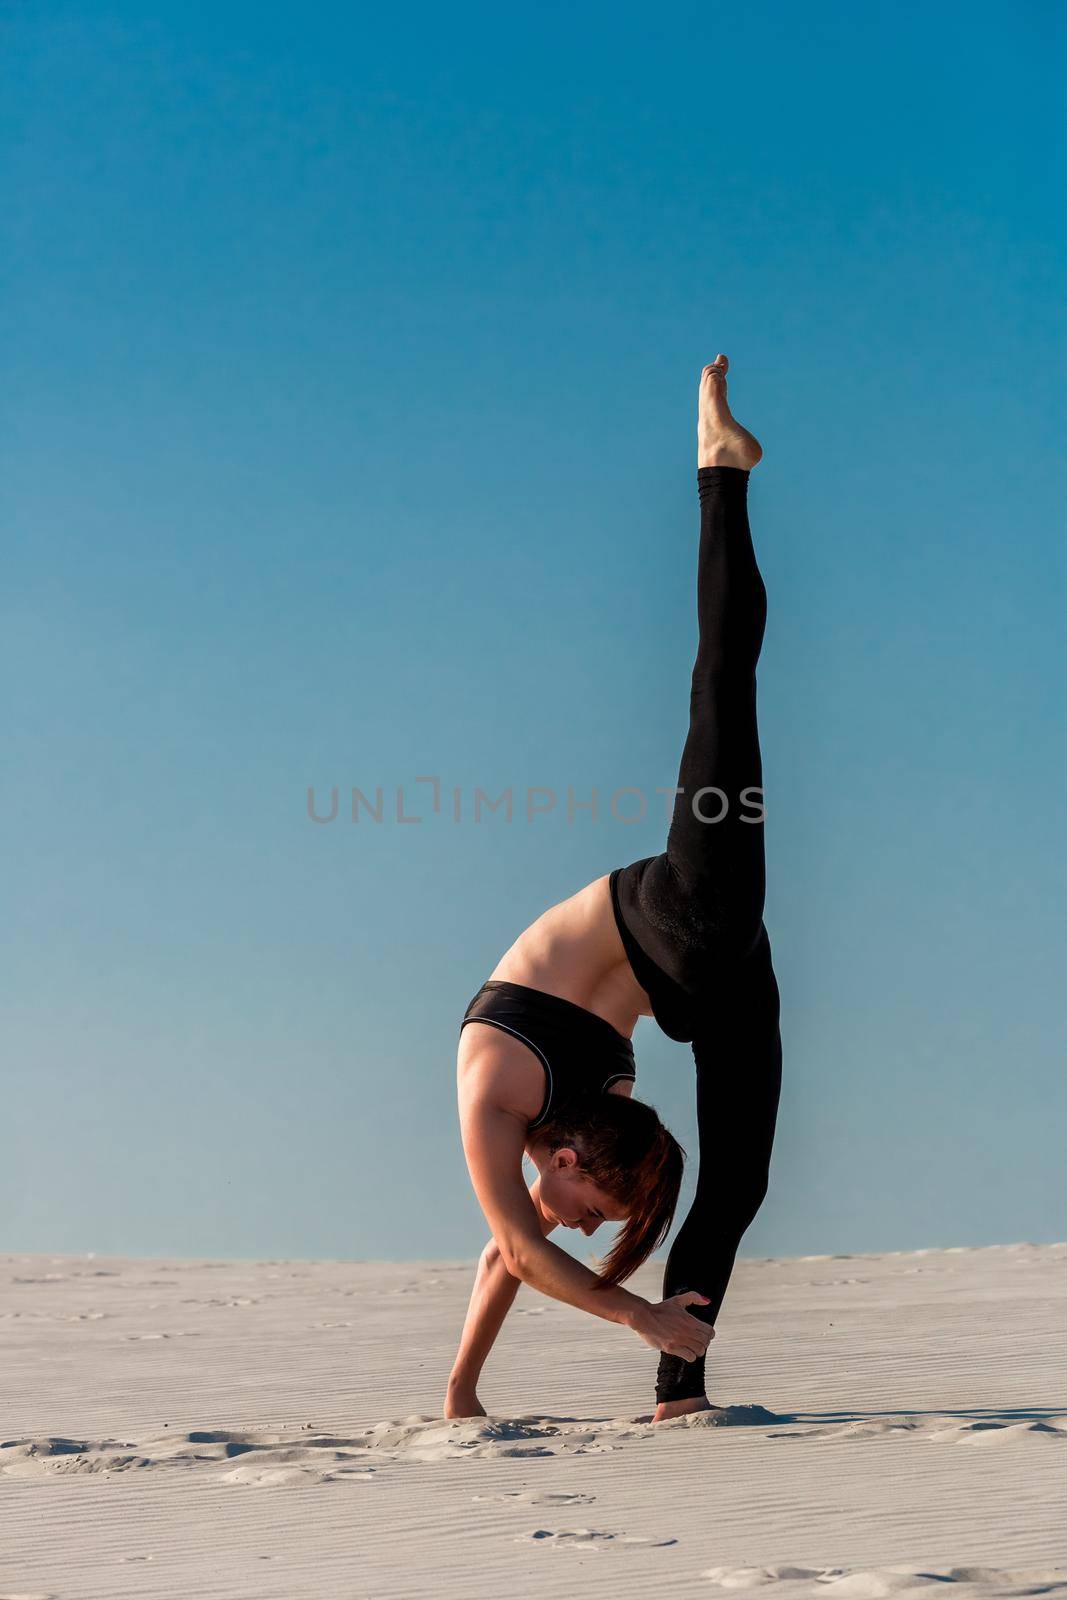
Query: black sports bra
x,y
581,1053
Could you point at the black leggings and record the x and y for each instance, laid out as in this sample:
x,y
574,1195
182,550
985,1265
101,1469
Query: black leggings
x,y
696,916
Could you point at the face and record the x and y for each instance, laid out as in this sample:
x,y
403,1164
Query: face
x,y
570,1196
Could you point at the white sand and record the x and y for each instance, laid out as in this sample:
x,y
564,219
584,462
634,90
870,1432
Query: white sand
x,y
267,1429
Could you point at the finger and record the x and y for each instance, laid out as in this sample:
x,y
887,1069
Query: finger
x,y
691,1298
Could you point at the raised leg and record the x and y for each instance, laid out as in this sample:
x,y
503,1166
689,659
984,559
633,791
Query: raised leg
x,y
715,844
701,900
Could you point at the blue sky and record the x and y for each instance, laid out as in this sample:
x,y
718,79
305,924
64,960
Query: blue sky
x,y
349,438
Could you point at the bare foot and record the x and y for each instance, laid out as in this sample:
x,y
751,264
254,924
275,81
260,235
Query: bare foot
x,y
698,1402
462,1403
721,442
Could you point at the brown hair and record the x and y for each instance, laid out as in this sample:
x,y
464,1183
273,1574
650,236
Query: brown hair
x,y
623,1146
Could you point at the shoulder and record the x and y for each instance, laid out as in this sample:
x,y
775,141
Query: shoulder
x,y
496,1068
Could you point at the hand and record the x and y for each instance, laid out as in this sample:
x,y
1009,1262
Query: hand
x,y
668,1326
461,1401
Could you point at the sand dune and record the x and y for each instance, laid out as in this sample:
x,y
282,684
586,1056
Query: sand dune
x,y
888,1425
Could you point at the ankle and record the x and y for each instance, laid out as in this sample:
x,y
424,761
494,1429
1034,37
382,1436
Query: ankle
x,y
666,1409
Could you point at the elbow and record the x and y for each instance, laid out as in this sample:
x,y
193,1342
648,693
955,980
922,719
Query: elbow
x,y
516,1258
498,1255
493,1256
512,1265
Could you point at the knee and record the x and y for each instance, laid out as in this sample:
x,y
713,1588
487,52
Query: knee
x,y
747,1201
753,1197
729,1215
743,929
734,912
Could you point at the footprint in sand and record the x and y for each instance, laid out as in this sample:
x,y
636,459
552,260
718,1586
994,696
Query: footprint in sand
x,y
758,1577
979,1432
994,1432
276,1456
724,1417
425,1439
24,1458
181,1333
935,1429
540,1497
270,1468
876,1583
194,1266
884,1583
264,1476
564,1537
57,1316
589,1538
872,1428
225,1300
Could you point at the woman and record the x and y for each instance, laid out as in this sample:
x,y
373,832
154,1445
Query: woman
x,y
545,1059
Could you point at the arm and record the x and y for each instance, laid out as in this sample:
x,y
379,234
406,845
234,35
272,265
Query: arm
x,y
494,1141
491,1299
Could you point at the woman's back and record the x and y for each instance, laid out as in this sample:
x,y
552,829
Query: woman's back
x,y
573,950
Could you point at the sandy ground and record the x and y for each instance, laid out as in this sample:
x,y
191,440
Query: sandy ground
x,y
893,1424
